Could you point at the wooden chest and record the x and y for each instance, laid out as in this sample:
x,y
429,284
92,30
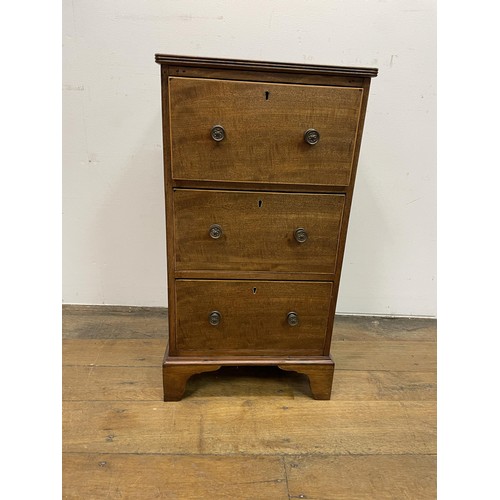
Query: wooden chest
x,y
260,162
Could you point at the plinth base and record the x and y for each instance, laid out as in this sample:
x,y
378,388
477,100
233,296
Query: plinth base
x,y
177,370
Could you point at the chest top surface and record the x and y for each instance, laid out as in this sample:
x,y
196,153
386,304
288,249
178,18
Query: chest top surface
x,y
244,64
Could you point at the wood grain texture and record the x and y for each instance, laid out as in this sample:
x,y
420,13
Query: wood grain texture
x,y
177,371
406,356
262,148
347,210
251,381
320,377
252,186
253,317
252,431
181,477
257,231
253,275
169,204
252,426
352,385
113,352
100,322
175,377
125,383
119,322
264,137
266,76
379,328
362,477
88,475
245,64
111,383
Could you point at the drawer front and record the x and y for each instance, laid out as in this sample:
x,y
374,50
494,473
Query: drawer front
x,y
264,126
256,231
251,317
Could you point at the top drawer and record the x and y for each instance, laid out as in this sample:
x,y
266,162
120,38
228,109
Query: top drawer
x,y
264,126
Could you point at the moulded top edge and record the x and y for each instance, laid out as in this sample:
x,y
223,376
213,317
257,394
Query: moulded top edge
x,y
212,62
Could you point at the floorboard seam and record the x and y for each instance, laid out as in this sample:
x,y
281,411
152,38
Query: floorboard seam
x,y
283,461
336,369
248,455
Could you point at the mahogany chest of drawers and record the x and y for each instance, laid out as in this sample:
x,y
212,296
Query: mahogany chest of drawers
x,y
259,161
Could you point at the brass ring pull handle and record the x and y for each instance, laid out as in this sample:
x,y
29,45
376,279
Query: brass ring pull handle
x,y
214,318
292,318
311,136
300,235
215,231
218,133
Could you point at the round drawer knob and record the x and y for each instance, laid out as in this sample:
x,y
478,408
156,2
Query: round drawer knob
x,y
300,235
214,317
215,231
311,136
218,133
292,318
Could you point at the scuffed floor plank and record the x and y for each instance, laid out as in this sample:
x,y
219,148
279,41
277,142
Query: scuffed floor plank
x,y
363,328
389,355
163,476
348,385
370,355
259,426
362,477
113,383
247,432
113,352
384,386
113,322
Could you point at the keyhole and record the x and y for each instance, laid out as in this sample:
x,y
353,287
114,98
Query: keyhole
x,y
254,290
260,203
267,95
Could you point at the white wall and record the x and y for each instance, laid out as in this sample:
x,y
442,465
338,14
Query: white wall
x,y
113,222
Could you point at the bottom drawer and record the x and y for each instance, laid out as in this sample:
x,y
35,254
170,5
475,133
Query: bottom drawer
x,y
229,317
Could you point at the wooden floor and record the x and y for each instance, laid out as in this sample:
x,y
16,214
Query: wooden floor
x,y
244,433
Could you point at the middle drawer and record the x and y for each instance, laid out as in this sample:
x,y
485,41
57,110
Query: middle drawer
x,y
256,231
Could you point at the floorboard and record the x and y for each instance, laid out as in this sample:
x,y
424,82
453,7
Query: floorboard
x,y
374,477
124,383
348,355
166,476
272,425
247,432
